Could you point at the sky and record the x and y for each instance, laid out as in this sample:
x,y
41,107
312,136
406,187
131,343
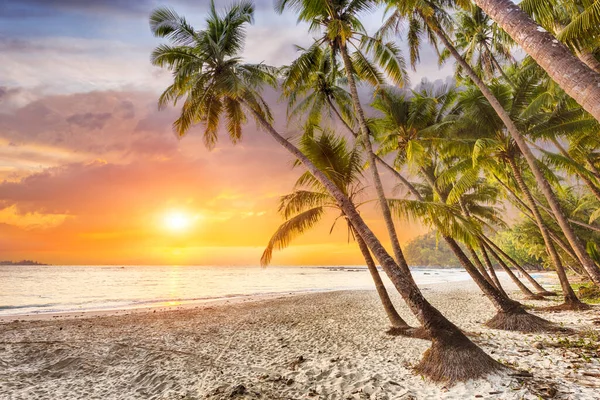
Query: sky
x,y
90,171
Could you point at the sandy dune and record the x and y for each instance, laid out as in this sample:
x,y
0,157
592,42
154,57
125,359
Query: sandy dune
x,y
310,346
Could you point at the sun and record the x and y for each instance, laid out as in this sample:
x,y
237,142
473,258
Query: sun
x,y
177,221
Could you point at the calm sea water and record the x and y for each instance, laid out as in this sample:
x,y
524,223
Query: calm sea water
x,y
51,289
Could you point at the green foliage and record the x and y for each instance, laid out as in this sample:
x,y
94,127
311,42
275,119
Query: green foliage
x,y
306,205
207,72
587,292
427,251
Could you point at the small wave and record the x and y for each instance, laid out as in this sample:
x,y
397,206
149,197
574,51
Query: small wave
x,y
2,308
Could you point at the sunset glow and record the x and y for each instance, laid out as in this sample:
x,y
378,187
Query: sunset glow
x,y
177,221
91,172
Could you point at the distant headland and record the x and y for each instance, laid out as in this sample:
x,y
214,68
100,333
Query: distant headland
x,y
22,262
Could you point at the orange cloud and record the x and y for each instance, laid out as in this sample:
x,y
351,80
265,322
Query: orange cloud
x,y
90,177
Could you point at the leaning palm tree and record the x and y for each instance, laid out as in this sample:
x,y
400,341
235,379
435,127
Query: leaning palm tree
x,y
315,83
209,73
432,17
573,22
569,72
308,203
497,155
338,24
413,129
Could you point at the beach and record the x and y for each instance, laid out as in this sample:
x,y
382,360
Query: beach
x,y
329,345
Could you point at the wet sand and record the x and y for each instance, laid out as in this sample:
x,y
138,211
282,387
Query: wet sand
x,y
305,346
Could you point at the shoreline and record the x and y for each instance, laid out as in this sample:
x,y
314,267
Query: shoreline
x,y
198,304
546,278
129,293
327,345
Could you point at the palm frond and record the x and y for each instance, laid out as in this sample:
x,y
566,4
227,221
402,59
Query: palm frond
x,y
289,230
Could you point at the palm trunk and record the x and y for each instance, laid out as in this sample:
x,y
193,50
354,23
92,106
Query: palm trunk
x,y
499,299
498,66
452,356
543,184
385,209
511,315
492,271
527,212
390,310
569,72
590,60
480,266
539,288
380,160
570,297
460,255
524,289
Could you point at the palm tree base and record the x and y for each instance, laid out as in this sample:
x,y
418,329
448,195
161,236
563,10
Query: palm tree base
x,y
536,296
547,293
567,306
521,321
409,331
451,361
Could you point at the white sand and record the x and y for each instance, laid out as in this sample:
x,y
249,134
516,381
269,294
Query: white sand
x,y
309,346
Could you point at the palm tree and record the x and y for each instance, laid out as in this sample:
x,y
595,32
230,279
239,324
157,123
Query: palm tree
x,y
435,19
563,119
209,73
312,85
569,72
339,25
411,129
558,241
306,205
481,43
494,152
573,22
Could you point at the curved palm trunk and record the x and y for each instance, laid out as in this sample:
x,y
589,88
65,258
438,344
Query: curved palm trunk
x,y
511,315
498,298
524,289
390,310
493,290
573,75
570,297
539,288
452,356
385,209
555,238
502,302
492,271
543,184
480,266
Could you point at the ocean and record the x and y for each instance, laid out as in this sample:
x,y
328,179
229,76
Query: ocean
x,y
58,289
